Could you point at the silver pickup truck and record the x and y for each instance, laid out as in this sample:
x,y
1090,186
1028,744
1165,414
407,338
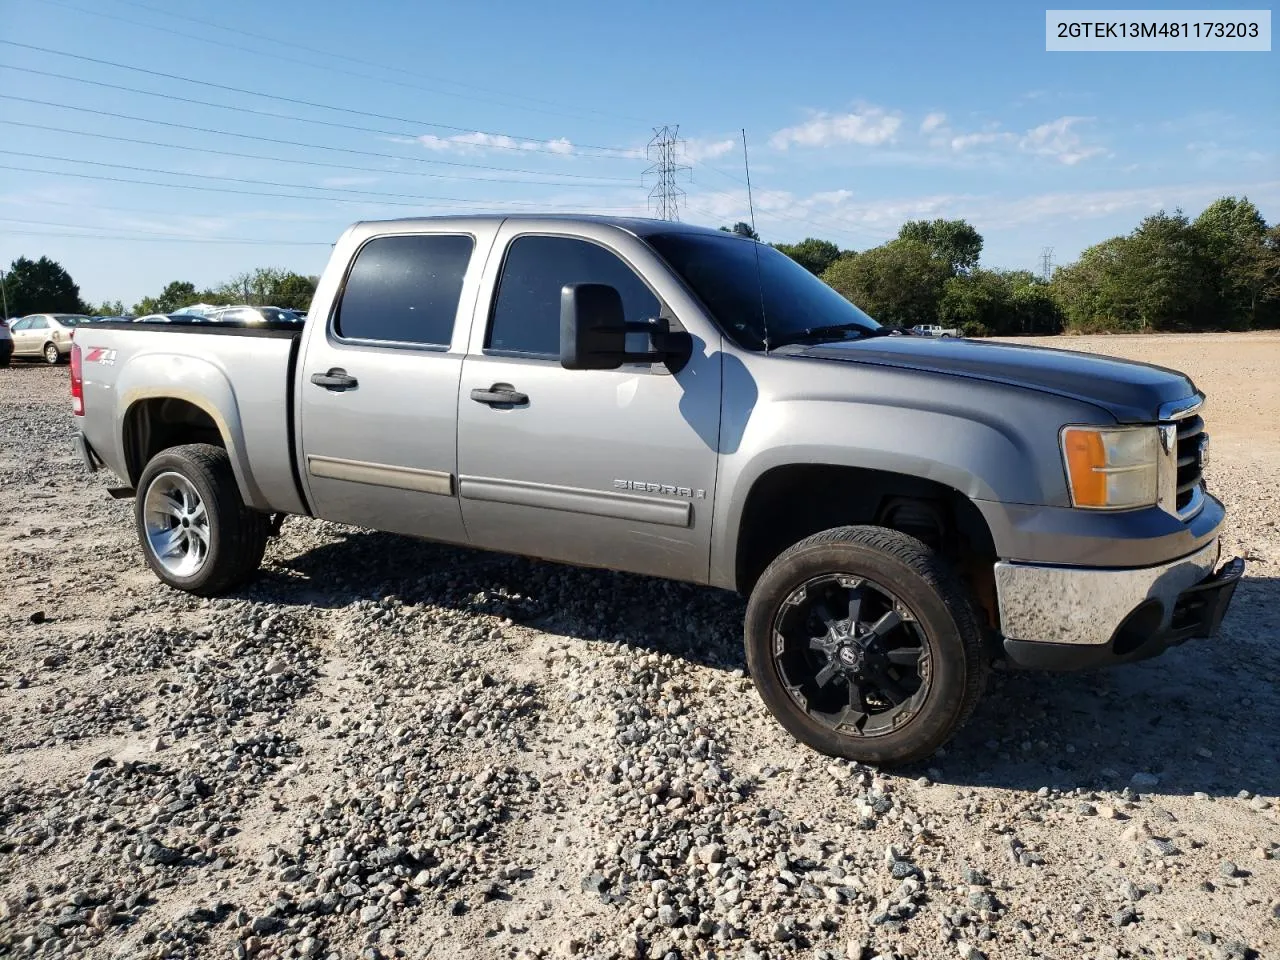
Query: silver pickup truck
x,y
685,403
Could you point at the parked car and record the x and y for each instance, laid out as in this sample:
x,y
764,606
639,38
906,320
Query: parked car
x,y
46,335
899,512
6,343
933,330
159,318
246,315
125,318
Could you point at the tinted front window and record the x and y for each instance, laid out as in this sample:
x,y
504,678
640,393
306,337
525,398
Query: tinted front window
x,y
723,272
405,289
526,314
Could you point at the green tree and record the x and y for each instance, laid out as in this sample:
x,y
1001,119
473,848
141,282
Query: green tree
x,y
109,308
811,253
1159,277
899,283
1234,238
953,241
40,286
295,291
175,295
268,286
742,229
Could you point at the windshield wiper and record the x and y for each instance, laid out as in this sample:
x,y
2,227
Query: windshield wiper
x,y
835,331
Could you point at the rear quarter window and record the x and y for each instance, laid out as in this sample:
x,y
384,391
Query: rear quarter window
x,y
405,289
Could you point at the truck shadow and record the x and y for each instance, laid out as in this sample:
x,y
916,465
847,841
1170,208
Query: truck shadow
x,y
1205,717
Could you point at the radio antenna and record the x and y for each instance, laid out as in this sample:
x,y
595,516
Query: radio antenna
x,y
751,208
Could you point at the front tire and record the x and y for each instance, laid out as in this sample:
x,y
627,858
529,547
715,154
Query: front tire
x,y
864,645
51,355
196,532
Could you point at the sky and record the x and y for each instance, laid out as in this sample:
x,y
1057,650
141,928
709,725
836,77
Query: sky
x,y
144,141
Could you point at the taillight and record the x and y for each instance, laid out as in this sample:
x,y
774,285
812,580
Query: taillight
x,y
77,381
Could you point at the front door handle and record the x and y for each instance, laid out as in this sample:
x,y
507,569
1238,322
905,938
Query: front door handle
x,y
500,395
335,379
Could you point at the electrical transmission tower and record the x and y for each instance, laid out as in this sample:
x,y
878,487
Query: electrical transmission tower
x,y
665,167
1046,263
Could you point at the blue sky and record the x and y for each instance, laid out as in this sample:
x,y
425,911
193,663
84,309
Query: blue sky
x,y
858,116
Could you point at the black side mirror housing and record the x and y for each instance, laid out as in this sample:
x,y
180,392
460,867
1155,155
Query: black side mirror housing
x,y
593,328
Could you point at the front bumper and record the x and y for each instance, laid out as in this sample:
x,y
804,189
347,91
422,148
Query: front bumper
x,y
1071,618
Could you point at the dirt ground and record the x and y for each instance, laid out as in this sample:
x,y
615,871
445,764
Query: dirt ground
x,y
390,748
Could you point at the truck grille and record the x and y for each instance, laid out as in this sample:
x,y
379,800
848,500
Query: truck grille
x,y
1190,435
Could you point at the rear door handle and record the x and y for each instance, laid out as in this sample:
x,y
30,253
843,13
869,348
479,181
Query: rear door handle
x,y
500,395
335,379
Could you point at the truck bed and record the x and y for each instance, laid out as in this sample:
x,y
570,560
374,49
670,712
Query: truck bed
x,y
239,377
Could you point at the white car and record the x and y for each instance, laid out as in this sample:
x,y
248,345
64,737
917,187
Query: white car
x,y
46,335
933,330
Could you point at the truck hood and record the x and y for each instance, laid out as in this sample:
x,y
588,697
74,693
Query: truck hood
x,y
1131,392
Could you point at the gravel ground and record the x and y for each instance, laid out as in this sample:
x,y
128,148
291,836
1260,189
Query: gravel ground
x,y
387,748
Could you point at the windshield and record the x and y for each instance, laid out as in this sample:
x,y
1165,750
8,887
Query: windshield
x,y
68,320
722,272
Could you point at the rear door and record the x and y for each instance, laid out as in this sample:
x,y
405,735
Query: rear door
x,y
612,468
379,386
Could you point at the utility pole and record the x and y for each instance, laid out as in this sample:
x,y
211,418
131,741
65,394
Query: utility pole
x,y
1046,263
4,294
664,167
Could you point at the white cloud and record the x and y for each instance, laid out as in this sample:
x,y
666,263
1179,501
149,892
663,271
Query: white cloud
x,y
967,140
932,122
869,127
1059,141
696,150
478,141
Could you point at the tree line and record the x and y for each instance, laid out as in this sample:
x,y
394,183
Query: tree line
x,y
44,286
1220,271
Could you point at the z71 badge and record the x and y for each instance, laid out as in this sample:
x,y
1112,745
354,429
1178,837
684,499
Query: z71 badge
x,y
671,490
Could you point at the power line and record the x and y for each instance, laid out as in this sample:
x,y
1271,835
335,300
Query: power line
x,y
665,197
255,182
330,55
395,134
551,146
222,215
293,196
103,236
152,235
309,163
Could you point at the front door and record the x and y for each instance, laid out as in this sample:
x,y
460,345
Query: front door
x,y
612,468
378,387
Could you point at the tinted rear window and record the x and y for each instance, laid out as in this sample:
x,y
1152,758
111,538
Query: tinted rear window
x,y
405,289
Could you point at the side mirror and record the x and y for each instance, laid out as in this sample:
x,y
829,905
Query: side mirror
x,y
593,327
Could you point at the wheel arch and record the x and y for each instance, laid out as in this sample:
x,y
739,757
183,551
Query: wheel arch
x,y
790,502
155,419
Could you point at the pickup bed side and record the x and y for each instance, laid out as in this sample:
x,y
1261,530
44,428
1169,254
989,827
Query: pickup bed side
x,y
149,388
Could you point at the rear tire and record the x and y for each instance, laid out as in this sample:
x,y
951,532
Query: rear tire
x,y
51,355
196,533
864,645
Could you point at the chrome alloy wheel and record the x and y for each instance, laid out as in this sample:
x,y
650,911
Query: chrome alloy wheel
x,y
177,525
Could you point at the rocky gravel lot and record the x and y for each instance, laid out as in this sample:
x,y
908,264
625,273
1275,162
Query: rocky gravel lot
x,y
387,748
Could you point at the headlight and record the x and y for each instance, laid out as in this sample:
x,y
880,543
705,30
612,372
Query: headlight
x,y
1112,468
